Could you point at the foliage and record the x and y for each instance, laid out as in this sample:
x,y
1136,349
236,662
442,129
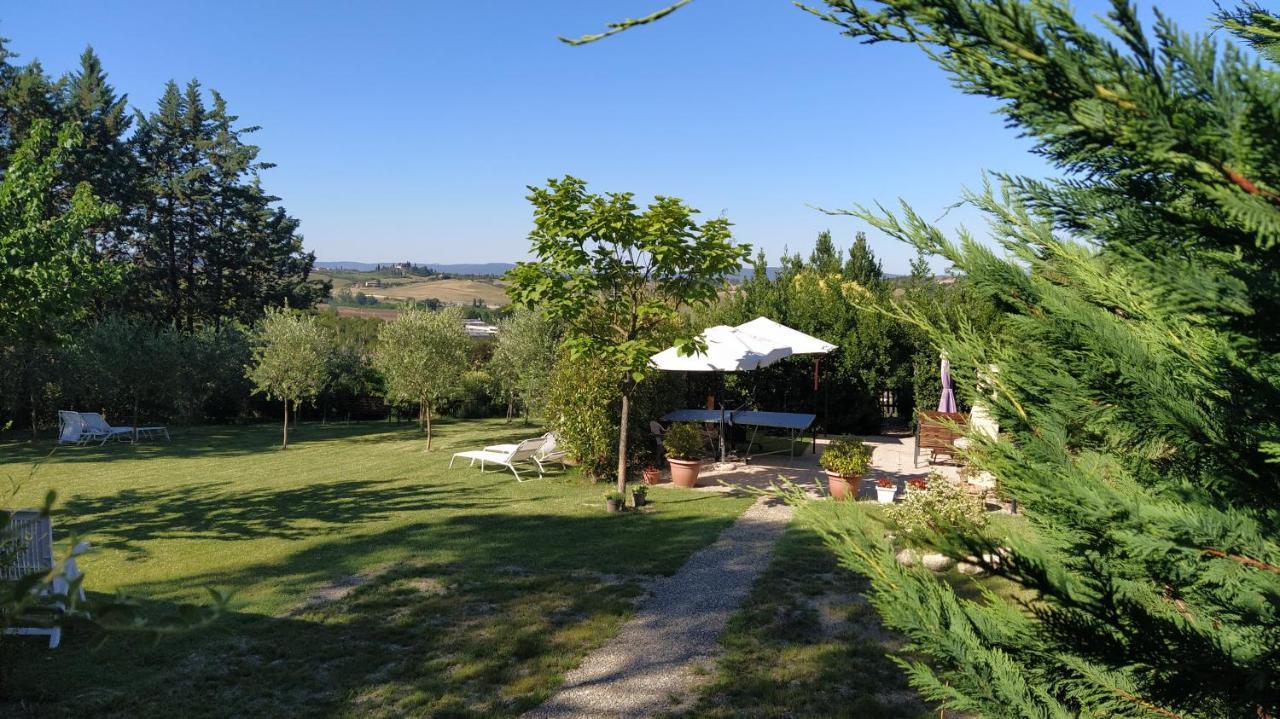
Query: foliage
x,y
840,297
1136,373
290,359
846,457
523,359
614,495
683,440
942,505
615,277
50,271
422,355
127,363
580,399
583,404
639,491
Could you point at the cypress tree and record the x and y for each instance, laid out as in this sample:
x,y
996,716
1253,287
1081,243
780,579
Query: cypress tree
x,y
1135,376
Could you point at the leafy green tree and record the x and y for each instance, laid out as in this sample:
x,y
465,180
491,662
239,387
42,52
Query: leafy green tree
x,y
422,355
50,271
615,277
129,363
290,359
523,359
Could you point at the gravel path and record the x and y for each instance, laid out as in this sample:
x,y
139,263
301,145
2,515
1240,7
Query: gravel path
x,y
651,661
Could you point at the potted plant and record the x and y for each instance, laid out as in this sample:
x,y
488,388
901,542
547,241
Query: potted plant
x,y
885,490
916,485
652,475
845,459
683,443
614,501
640,496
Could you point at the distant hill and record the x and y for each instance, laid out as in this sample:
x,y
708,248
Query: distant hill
x,y
479,268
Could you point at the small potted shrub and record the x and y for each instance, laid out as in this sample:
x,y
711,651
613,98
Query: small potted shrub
x,y
683,443
886,489
845,459
652,475
614,501
640,496
916,485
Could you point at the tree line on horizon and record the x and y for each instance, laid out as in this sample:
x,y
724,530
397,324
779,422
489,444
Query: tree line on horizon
x,y
154,218
200,239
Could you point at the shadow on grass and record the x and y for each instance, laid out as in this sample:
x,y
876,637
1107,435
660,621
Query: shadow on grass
x,y
632,544
477,616
241,440
209,510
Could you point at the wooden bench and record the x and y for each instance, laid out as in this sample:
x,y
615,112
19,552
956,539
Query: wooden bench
x,y
938,432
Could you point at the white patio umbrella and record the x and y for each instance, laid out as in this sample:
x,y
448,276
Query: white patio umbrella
x,y
728,349
751,345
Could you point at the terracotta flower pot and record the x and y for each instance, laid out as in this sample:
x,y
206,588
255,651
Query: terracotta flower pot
x,y
842,487
652,475
684,472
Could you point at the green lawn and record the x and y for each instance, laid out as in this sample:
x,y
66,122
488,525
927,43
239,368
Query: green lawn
x,y
369,579
807,644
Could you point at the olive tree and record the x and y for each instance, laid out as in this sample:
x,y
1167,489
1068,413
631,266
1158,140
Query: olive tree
x,y
614,277
422,355
523,358
290,359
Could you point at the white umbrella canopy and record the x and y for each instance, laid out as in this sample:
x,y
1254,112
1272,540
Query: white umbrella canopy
x,y
728,349
749,346
782,335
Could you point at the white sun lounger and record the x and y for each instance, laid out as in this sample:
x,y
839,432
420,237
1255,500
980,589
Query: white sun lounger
x,y
72,429
522,452
549,453
29,536
98,423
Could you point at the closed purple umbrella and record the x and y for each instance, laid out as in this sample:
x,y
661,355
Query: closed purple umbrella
x,y
947,403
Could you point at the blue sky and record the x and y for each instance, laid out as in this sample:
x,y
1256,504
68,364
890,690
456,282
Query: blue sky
x,y
409,130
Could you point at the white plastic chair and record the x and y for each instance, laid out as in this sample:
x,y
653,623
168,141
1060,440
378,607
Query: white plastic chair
x,y
522,452
29,540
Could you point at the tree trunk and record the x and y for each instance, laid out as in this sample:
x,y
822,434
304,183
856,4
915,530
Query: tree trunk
x,y
511,407
284,444
422,415
427,411
622,443
135,419
34,412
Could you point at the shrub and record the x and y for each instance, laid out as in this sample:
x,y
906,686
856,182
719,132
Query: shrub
x,y
941,505
682,441
847,457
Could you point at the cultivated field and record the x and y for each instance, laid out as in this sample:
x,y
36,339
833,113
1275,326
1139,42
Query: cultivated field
x,y
453,291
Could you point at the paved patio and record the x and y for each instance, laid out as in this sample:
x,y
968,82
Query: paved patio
x,y
892,457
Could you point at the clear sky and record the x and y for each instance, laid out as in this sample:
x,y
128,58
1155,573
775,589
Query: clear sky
x,y
409,130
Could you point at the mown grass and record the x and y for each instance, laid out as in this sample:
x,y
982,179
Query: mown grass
x,y
368,579
806,643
